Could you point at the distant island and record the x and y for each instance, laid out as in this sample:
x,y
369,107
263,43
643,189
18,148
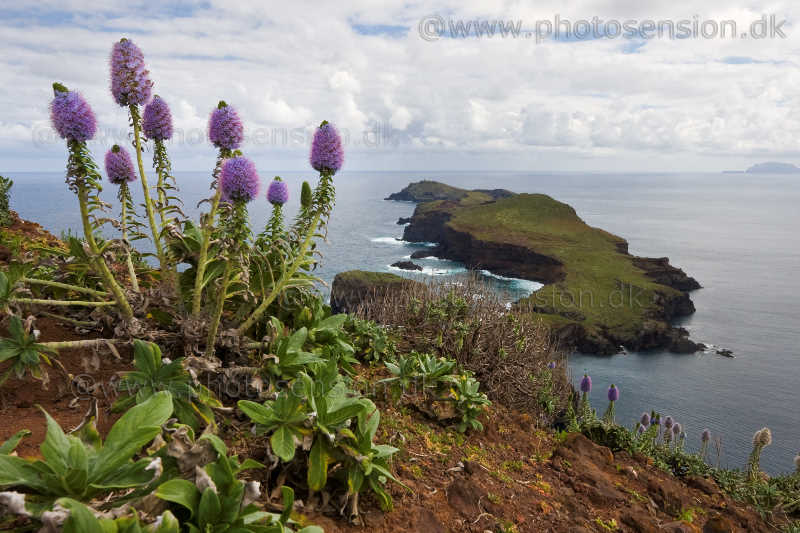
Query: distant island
x,y
770,167
597,297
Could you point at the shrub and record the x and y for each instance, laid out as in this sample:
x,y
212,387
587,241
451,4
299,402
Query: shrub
x,y
192,402
467,323
22,351
84,467
5,199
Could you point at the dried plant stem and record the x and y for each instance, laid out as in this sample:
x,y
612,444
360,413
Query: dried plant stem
x,y
212,329
78,303
66,286
68,320
86,343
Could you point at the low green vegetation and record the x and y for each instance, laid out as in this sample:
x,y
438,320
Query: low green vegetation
x,y
5,201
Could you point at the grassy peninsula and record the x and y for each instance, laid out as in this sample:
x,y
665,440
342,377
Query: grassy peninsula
x,y
596,295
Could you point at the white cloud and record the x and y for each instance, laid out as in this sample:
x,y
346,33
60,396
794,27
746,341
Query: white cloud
x,y
510,101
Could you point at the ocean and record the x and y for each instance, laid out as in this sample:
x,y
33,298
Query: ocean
x,y
735,233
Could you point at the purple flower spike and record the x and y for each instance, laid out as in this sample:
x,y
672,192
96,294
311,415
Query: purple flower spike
x,y
72,117
706,436
613,393
225,128
327,155
668,422
551,365
119,166
278,192
130,80
657,420
238,180
645,420
640,429
586,384
676,429
157,120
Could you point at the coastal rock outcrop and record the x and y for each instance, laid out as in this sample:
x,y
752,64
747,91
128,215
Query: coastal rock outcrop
x,y
597,297
352,288
407,265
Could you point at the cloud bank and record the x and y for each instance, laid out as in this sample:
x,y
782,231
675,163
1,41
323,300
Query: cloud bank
x,y
407,103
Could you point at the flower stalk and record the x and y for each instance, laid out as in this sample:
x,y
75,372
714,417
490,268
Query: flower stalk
x,y
136,121
207,226
286,276
97,258
125,199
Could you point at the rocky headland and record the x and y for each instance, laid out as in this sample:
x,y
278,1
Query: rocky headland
x,y
597,297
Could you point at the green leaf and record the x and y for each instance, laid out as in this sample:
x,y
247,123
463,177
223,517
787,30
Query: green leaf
x,y
169,524
288,502
77,472
8,349
297,340
217,443
18,472
318,465
81,519
209,508
126,476
355,479
55,447
258,413
333,322
282,442
180,491
146,357
8,446
136,428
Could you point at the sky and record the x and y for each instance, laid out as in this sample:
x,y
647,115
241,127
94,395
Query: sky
x,y
409,92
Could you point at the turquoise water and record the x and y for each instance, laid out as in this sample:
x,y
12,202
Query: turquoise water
x,y
737,234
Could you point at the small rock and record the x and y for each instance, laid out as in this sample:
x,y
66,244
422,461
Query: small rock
x,y
463,496
719,524
680,527
703,484
639,521
407,265
631,472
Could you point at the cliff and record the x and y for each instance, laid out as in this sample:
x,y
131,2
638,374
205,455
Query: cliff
x,y
597,296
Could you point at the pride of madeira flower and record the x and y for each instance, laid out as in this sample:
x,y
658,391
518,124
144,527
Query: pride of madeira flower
x,y
119,166
613,396
157,120
238,180
74,121
72,117
278,192
131,87
327,155
120,171
130,79
225,129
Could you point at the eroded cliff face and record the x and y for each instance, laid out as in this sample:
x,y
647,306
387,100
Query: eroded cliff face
x,y
430,223
499,258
